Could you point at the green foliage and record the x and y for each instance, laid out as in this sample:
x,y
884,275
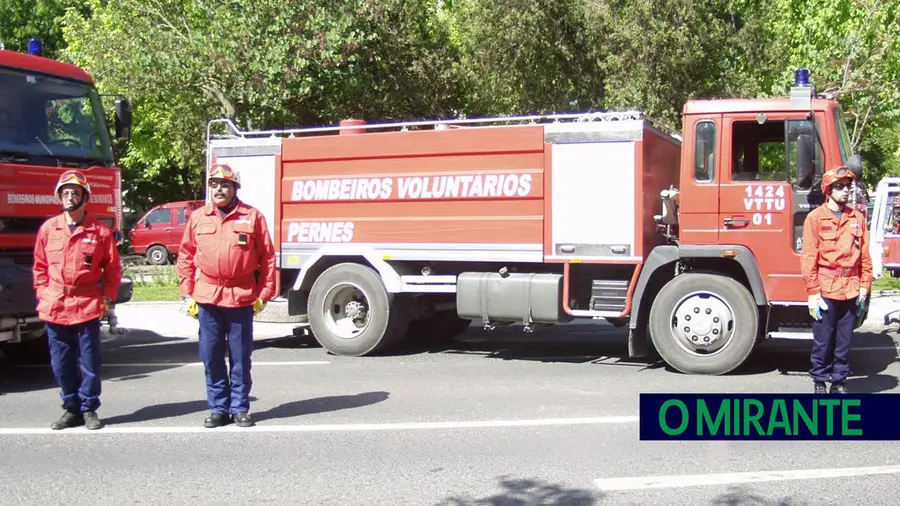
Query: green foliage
x,y
271,64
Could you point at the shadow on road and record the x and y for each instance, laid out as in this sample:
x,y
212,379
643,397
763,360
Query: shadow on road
x,y
321,405
873,352
522,491
518,492
738,496
141,347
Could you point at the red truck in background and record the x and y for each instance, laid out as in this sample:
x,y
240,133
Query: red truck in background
x,y
412,230
51,120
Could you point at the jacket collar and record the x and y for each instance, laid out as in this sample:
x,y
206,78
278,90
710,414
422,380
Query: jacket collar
x,y
210,209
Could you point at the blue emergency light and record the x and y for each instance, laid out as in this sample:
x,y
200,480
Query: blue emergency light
x,y
801,77
34,46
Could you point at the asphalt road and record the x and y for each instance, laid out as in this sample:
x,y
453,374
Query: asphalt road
x,y
499,419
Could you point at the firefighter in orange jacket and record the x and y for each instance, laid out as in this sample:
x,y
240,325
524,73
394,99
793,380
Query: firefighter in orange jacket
x,y
837,269
73,253
225,246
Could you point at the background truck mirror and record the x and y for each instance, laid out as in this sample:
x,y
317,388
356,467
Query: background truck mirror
x,y
805,160
123,119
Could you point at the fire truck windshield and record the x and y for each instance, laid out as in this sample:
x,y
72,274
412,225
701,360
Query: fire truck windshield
x,y
45,117
843,135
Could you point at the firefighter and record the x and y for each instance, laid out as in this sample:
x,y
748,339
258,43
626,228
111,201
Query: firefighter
x,y
837,269
226,274
75,253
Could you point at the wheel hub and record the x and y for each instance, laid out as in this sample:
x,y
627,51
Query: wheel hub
x,y
702,324
345,311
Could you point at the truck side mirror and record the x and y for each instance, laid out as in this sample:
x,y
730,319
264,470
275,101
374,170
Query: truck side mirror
x,y
854,163
123,118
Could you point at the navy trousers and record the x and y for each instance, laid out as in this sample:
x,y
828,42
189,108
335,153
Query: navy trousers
x,y
832,336
75,360
226,329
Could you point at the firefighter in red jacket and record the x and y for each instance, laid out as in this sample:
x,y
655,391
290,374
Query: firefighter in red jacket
x,y
73,253
837,269
226,273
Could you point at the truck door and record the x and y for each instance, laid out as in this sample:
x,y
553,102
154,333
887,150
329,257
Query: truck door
x,y
699,207
772,167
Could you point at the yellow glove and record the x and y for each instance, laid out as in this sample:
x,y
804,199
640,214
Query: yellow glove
x,y
190,305
107,303
258,306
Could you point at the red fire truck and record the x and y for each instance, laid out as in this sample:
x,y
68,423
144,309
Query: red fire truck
x,y
407,230
51,120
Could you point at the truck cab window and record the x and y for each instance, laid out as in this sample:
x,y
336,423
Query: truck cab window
x,y
777,151
180,216
704,151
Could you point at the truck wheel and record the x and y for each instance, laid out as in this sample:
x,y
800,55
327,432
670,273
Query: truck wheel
x,y
704,323
157,255
352,314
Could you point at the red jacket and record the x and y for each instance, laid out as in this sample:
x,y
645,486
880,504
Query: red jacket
x,y
219,257
68,268
835,260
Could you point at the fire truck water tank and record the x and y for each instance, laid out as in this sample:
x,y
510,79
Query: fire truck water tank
x,y
494,297
353,123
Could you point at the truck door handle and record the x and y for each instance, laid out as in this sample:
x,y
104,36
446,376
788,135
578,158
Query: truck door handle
x,y
733,222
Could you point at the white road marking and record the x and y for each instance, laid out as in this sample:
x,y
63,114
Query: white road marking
x,y
699,480
181,364
336,427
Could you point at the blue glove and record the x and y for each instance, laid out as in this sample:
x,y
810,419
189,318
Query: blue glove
x,y
861,301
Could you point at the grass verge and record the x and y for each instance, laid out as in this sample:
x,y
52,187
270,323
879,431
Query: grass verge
x,y
154,284
155,293
886,282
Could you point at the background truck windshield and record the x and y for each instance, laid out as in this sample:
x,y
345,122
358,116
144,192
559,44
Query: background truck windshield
x,y
43,116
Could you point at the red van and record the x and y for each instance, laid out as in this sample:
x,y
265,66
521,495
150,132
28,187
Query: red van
x,y
158,233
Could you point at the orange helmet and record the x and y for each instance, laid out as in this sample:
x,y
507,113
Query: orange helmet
x,y
224,172
834,175
73,177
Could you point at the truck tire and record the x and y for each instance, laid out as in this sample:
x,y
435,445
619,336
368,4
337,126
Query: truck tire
x,y
704,323
352,314
157,255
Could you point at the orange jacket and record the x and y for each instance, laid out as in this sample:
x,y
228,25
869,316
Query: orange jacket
x,y
68,269
835,260
219,257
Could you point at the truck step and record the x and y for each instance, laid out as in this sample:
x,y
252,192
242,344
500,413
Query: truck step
x,y
608,294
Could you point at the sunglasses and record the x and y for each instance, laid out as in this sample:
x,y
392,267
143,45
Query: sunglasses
x,y
221,184
840,186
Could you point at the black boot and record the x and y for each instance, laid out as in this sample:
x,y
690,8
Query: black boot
x,y
819,387
68,420
838,388
216,420
243,420
92,421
